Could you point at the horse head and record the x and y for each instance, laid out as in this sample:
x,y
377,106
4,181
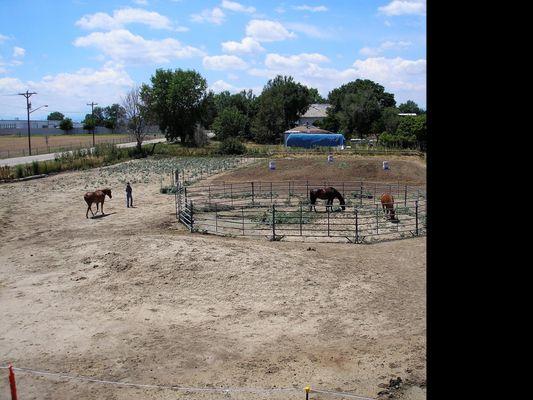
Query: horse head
x,y
107,192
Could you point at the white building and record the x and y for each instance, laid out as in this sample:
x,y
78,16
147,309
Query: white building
x,y
315,112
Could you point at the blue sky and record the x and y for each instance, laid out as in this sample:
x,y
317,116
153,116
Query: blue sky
x,y
72,52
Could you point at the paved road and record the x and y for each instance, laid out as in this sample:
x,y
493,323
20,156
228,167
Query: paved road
x,y
44,157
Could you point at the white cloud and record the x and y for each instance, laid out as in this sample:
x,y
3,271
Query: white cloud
x,y
215,16
279,10
124,17
122,45
18,52
71,91
3,38
224,62
141,2
404,7
234,6
384,46
267,31
310,30
245,46
293,63
405,78
311,8
221,85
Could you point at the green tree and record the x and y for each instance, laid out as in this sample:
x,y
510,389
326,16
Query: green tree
x,y
66,125
230,123
279,106
55,116
89,123
113,115
411,131
410,107
330,122
358,107
178,100
244,101
315,97
389,120
359,113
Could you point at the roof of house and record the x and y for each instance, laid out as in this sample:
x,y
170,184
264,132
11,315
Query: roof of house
x,y
316,111
306,129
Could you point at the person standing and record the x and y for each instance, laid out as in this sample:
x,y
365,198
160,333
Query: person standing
x,y
129,198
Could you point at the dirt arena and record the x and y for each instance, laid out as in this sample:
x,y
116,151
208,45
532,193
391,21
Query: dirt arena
x,y
133,297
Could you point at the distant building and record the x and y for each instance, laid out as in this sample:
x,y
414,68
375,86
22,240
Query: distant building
x,y
315,112
42,127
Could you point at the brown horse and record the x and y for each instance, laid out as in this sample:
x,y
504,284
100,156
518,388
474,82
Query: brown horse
x,y
329,194
97,197
387,202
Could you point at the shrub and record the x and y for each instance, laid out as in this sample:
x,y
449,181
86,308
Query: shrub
x,y
35,167
231,146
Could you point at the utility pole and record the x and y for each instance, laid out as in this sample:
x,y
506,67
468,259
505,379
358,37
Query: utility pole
x,y
28,107
92,104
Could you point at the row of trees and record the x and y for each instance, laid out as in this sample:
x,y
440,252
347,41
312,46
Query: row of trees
x,y
178,101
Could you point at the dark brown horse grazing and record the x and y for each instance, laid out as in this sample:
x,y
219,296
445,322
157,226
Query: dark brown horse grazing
x,y
329,194
97,197
387,202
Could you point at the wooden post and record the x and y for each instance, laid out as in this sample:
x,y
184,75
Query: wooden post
x,y
343,195
361,193
209,194
270,192
231,192
405,197
375,189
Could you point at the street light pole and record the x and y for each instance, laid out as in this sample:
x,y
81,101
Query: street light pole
x,y
28,106
92,104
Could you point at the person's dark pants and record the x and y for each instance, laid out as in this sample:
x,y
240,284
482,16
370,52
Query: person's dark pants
x,y
129,200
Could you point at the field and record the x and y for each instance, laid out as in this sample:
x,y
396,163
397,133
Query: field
x,y
133,297
14,146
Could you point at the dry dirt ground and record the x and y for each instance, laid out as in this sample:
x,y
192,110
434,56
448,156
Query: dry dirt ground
x,y
408,170
19,143
133,297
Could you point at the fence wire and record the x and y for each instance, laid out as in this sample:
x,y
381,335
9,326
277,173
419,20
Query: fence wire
x,y
278,210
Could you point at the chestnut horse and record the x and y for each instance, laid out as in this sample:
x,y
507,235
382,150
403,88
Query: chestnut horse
x,y
97,197
387,202
329,194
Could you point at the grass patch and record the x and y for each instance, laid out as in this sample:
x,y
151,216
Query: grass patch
x,y
285,217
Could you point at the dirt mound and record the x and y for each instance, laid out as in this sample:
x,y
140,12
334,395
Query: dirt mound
x,y
407,170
